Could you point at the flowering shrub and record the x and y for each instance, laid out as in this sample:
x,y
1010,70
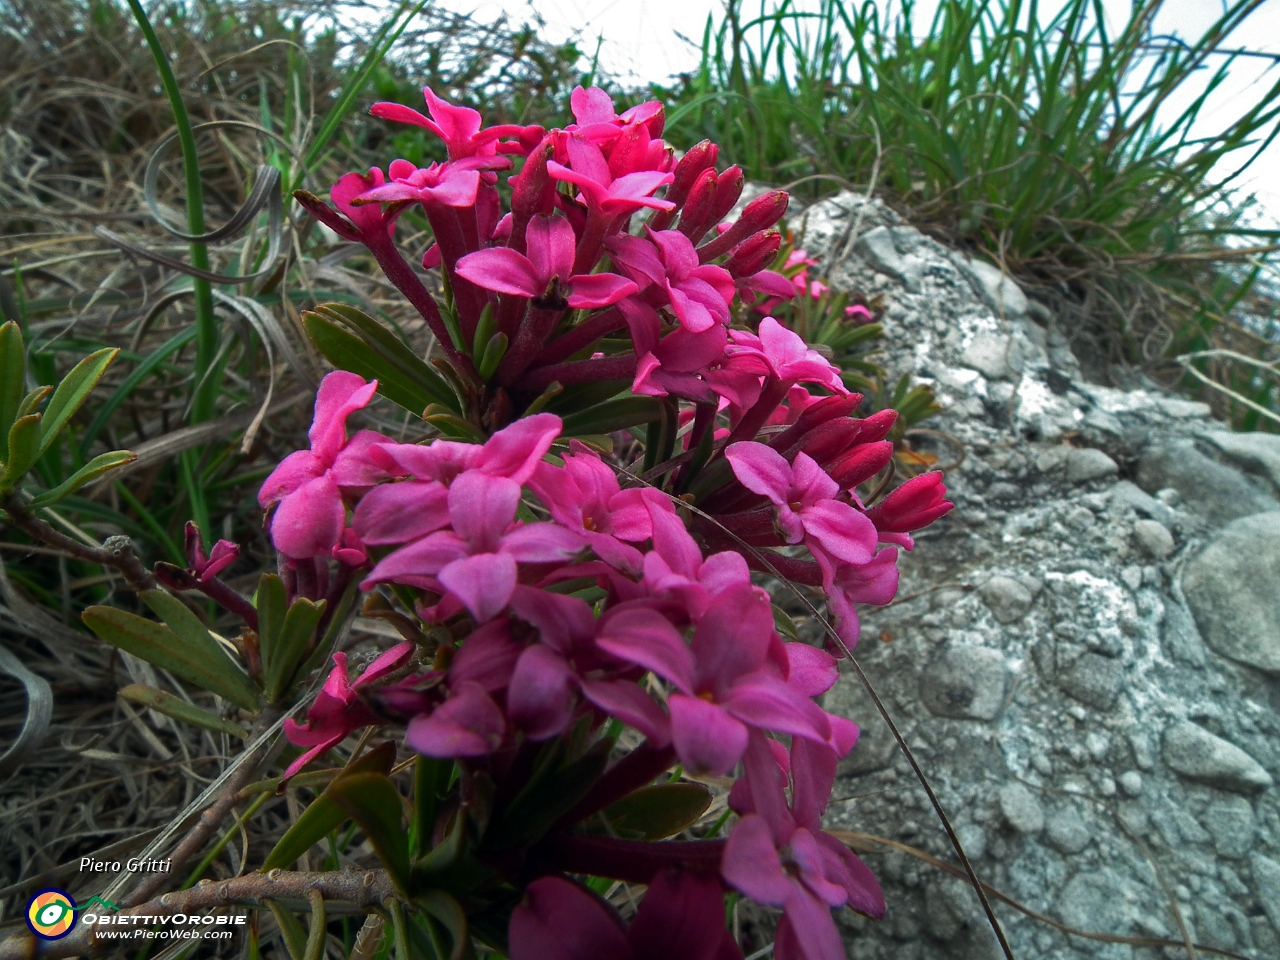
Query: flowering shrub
x,y
557,601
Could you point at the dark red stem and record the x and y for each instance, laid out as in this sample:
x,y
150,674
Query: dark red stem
x,y
579,371
631,861
581,336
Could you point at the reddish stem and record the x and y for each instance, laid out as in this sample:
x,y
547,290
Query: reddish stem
x,y
581,336
631,861
579,371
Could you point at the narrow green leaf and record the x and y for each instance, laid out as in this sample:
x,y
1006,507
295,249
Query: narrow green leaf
x,y
536,808
348,352
161,647
272,602
289,645
494,351
617,414
94,468
72,392
24,449
324,815
32,400
372,800
179,709
179,618
449,912
316,927
659,811
13,365
392,349
430,782
295,938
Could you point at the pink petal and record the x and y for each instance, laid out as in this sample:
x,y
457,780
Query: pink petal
x,y
502,270
551,245
628,516
482,507
540,698
841,530
768,703
515,451
591,105
298,468
561,621
642,636
422,558
733,636
859,882
354,468
630,704
637,257
386,662
751,863
541,543
760,469
558,920
468,724
482,582
678,253
813,671
487,657
309,521
813,774
457,188
341,394
586,160
589,291
707,739
821,939
812,859
400,512
681,916
693,315
401,114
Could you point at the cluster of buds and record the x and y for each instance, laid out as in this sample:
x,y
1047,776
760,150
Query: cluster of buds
x,y
557,596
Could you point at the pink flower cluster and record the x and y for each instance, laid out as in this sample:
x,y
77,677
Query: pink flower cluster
x,y
564,596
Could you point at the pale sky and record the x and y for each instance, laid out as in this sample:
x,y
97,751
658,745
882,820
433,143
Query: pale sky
x,y
641,40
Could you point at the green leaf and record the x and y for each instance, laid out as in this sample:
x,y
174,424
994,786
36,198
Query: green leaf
x,y
162,647
179,709
94,468
658,812
494,351
407,364
295,938
783,623
348,352
24,449
372,800
324,815
13,365
449,912
430,783
179,618
273,603
72,392
288,646
612,415
32,400
536,808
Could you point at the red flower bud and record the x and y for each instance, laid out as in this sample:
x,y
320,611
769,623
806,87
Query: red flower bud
x,y
813,416
760,214
728,190
877,426
861,464
700,157
915,504
754,253
696,213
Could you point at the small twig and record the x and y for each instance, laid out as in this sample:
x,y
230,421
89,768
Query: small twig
x,y
115,552
1258,408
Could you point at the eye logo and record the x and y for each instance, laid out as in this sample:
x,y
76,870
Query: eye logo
x,y
51,914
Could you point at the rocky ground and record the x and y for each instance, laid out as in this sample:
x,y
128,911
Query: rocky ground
x,y
1086,654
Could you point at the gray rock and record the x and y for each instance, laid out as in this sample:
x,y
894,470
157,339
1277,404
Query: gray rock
x,y
1021,808
1094,680
1126,494
1233,588
877,247
1208,488
966,682
1256,452
1181,637
1067,832
1153,539
988,353
1131,783
1231,823
1266,878
999,292
1008,599
1095,900
1089,464
1199,755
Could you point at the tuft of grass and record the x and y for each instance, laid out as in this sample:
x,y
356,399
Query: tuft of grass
x,y
1036,140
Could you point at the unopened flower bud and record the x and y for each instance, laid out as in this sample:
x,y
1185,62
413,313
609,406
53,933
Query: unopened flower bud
x,y
915,504
861,464
877,426
696,213
728,190
760,214
754,254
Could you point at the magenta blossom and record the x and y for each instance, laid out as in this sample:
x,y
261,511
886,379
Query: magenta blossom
x,y
680,918
699,293
847,584
915,504
546,274
603,194
780,354
309,485
805,501
778,855
338,709
460,127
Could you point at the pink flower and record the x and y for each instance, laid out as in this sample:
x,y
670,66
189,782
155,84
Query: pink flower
x,y
546,273
674,364
780,856
674,568
847,584
338,709
446,184
597,121
680,918
699,294
584,496
915,504
460,127
601,192
468,724
205,568
805,501
780,353
309,485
